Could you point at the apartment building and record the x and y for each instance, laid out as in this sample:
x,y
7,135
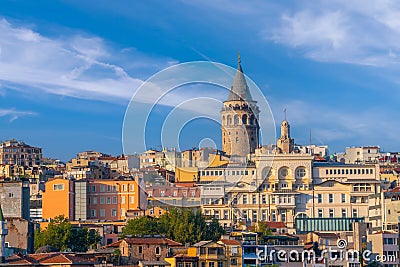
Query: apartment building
x,y
14,198
97,199
384,248
18,153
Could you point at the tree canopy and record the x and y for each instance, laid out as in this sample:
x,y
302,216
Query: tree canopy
x,y
182,225
61,235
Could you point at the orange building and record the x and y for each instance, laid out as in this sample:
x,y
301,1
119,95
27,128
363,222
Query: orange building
x,y
109,200
58,199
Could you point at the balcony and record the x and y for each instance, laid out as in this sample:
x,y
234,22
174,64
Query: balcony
x,y
214,256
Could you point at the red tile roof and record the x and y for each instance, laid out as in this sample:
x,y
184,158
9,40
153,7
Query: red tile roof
x,y
113,245
326,235
230,242
275,225
47,258
152,241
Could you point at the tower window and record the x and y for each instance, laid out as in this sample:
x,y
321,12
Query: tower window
x,y
237,139
251,120
236,119
229,120
244,119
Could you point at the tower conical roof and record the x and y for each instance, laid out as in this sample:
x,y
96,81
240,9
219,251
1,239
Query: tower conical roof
x,y
1,215
239,89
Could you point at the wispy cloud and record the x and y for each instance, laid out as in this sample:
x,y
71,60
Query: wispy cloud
x,y
342,31
76,66
333,125
14,114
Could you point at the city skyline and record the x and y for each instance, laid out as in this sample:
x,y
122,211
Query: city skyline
x,y
69,81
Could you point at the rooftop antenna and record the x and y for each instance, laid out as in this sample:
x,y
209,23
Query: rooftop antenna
x,y
239,56
284,110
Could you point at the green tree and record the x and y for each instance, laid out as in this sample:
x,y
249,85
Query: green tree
x,y
61,235
262,228
141,226
182,225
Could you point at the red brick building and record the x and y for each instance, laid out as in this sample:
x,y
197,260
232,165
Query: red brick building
x,y
146,248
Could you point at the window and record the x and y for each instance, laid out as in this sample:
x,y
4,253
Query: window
x,y
211,264
93,188
102,200
115,200
102,188
264,215
122,200
284,172
157,250
344,213
236,121
244,199
330,198
264,199
102,213
254,199
319,198
220,264
343,198
254,212
331,213
300,172
108,188
140,249
108,200
355,213
226,215
114,212
93,213
283,215
320,213
132,200
94,200
58,187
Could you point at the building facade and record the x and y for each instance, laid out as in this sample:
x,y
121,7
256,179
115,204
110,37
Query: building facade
x,y
100,199
19,153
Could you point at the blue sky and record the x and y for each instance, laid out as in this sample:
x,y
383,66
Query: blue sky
x,y
68,69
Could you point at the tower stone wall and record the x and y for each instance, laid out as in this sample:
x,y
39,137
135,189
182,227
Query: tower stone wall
x,y
240,114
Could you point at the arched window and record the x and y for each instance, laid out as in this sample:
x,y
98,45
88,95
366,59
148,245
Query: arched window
x,y
229,120
244,119
157,250
251,120
236,119
300,172
266,172
283,172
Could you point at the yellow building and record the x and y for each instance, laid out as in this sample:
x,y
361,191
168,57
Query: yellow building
x,y
10,170
233,252
210,254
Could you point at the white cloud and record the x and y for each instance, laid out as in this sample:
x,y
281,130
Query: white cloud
x,y
342,31
14,114
335,125
77,66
